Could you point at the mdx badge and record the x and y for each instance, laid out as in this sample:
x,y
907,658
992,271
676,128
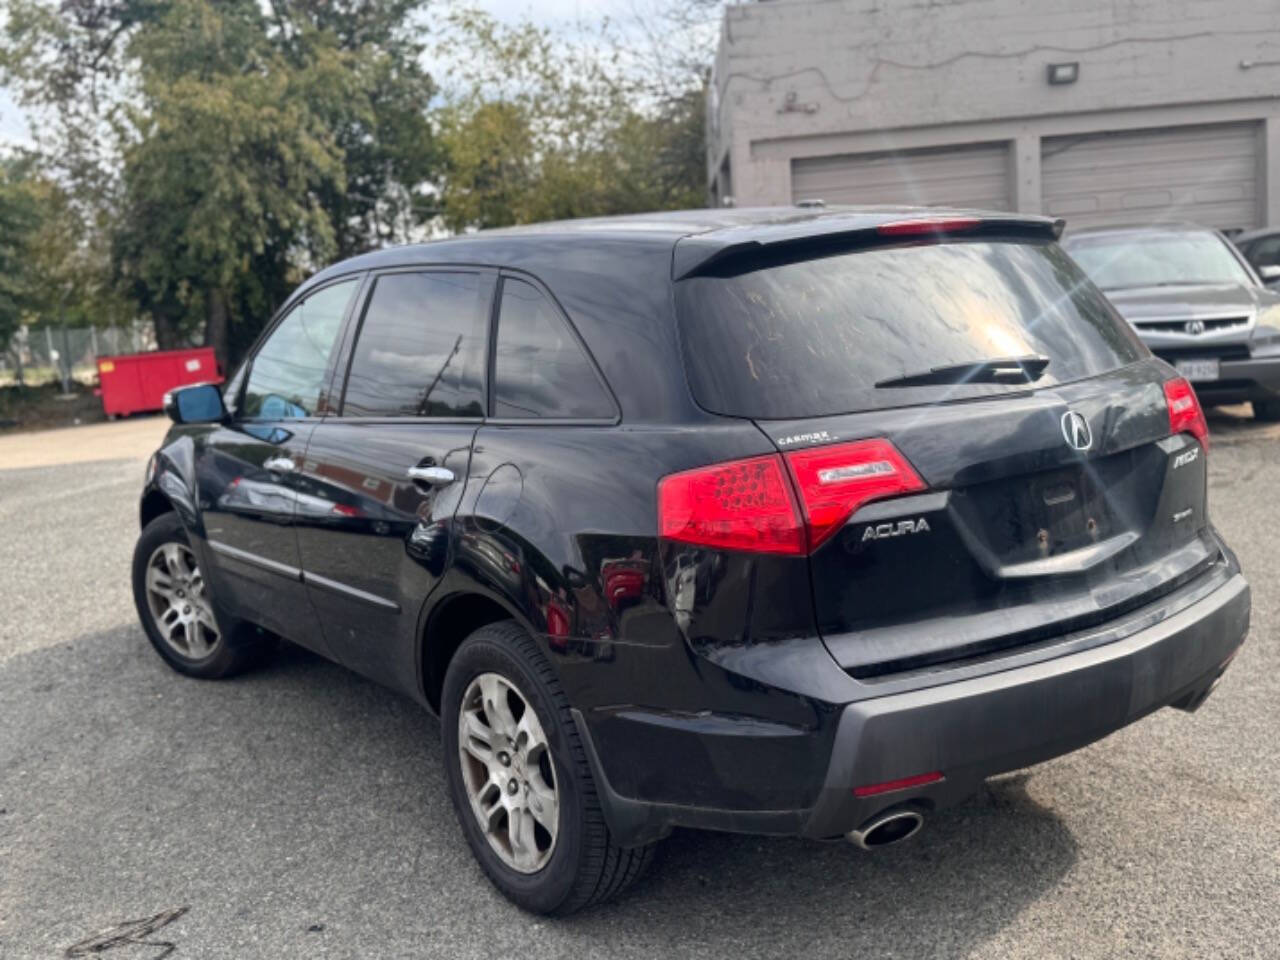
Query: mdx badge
x,y
882,531
1075,429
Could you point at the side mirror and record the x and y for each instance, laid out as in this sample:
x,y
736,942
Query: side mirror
x,y
198,403
1270,273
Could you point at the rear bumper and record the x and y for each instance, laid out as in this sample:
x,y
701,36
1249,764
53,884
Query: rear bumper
x,y
971,729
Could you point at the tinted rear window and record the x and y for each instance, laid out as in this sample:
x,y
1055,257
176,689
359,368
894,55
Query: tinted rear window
x,y
812,337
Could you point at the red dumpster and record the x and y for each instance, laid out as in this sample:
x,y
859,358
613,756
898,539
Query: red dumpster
x,y
133,382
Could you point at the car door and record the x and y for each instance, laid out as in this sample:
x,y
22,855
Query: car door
x,y
382,478
246,470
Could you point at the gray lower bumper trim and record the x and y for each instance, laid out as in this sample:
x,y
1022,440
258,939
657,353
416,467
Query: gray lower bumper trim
x,y
974,728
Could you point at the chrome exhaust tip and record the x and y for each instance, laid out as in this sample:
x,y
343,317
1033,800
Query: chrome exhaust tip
x,y
886,829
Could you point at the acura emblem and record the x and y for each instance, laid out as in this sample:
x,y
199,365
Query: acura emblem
x,y
1194,327
1075,429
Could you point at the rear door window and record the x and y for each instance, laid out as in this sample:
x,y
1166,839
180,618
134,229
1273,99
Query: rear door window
x,y
540,369
421,348
812,337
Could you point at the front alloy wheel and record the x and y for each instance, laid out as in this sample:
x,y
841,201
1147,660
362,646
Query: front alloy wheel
x,y
178,603
177,609
508,773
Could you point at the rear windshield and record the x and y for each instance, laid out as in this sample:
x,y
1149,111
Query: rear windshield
x,y
813,337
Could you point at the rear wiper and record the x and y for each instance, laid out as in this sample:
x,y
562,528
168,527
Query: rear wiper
x,y
1001,370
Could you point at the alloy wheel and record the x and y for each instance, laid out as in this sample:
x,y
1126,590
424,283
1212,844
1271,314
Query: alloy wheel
x,y
508,772
179,603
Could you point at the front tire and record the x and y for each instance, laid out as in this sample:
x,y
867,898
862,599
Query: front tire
x,y
519,778
176,607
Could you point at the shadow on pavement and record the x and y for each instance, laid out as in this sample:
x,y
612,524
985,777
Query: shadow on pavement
x,y
964,877
302,805
1237,423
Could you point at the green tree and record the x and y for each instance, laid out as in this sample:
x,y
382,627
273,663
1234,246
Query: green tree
x,y
226,147
209,154
536,127
222,159
52,269
375,103
19,220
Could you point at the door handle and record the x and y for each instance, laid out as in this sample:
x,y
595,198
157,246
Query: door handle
x,y
433,476
280,465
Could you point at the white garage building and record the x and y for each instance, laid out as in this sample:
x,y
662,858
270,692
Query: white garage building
x,y
1157,109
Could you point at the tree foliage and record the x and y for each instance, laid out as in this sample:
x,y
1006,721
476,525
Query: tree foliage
x,y
200,157
229,147
537,128
223,163
53,266
19,220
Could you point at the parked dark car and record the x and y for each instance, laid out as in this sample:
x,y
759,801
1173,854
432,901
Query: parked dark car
x,y
780,522
1196,302
1262,249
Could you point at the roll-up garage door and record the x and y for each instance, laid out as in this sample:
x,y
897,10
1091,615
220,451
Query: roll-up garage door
x,y
970,176
1205,174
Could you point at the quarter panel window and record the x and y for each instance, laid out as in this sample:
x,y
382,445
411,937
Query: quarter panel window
x,y
289,372
539,368
421,349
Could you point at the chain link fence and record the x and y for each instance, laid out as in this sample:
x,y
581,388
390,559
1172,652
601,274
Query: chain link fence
x,y
43,354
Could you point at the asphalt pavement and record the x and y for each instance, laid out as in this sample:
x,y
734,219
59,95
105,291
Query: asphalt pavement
x,y
301,811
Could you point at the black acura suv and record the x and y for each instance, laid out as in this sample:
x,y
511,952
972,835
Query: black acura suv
x,y
774,521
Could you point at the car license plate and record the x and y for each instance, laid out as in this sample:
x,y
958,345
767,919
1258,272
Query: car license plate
x,y
1198,370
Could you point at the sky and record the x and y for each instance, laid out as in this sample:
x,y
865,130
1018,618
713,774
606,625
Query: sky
x,y
12,128
550,13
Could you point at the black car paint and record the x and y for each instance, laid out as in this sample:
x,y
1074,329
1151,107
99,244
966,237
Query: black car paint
x,y
704,701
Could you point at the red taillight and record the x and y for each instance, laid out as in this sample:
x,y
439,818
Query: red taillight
x,y
891,785
743,505
908,228
750,504
835,481
1185,413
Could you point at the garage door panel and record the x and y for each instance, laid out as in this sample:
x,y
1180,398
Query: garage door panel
x,y
1109,151
1220,172
1217,172
971,176
1207,174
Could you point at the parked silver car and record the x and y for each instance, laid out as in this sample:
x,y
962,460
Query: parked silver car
x,y
1196,302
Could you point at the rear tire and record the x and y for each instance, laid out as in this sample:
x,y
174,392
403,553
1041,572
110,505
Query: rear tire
x,y
175,606
558,871
1267,410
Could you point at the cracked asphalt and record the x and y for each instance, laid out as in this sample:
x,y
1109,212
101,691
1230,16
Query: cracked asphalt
x,y
301,811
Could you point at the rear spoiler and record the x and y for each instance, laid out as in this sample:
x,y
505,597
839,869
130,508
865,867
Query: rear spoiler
x,y
699,253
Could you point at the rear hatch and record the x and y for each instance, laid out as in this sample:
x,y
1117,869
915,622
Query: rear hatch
x,y
1032,483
